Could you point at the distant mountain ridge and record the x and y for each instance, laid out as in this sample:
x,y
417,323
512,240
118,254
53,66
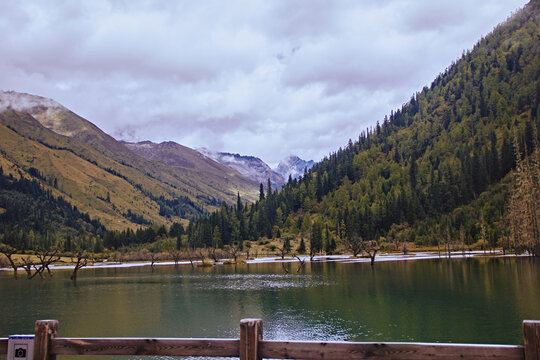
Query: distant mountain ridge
x,y
179,156
257,170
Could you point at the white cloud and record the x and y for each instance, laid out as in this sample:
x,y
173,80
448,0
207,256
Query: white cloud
x,y
251,77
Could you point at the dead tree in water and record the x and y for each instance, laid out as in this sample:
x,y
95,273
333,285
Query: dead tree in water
x,y
46,258
153,258
8,252
371,248
28,265
176,255
233,251
190,255
201,254
82,261
215,254
302,262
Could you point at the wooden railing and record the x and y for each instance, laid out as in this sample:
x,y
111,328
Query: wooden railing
x,y
251,346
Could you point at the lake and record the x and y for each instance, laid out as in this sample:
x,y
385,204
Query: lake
x,y
473,300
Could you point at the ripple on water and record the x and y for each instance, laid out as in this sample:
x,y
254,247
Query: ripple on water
x,y
250,282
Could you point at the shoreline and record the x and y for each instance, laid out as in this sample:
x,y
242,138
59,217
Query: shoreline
x,y
345,259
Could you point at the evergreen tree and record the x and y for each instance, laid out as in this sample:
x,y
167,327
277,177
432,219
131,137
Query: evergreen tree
x,y
316,242
301,247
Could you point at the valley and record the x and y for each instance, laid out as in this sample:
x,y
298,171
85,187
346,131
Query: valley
x,y
456,167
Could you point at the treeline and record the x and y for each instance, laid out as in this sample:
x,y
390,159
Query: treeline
x,y
143,236
435,170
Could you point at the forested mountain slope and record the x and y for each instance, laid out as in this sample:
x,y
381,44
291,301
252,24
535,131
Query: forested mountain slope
x,y
32,217
438,167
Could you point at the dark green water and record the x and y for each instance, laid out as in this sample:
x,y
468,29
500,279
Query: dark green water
x,y
463,300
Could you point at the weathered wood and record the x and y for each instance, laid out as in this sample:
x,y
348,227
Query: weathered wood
x,y
386,351
250,346
45,330
251,332
137,346
3,345
531,339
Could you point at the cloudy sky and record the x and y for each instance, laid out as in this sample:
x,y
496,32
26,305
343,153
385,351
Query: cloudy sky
x,y
264,78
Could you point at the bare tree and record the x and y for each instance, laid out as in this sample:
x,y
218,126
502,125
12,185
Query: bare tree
x,y
28,265
354,243
153,258
371,248
81,260
201,254
176,255
233,251
215,254
523,210
190,255
302,262
46,258
8,252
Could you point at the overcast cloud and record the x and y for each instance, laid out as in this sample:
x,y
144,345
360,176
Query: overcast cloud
x,y
262,78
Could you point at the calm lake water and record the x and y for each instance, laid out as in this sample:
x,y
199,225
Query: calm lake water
x,y
472,300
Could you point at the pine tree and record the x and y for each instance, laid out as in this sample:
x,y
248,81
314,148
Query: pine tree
x,y
261,192
316,242
301,247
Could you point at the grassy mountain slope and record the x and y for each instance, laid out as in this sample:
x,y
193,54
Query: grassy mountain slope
x,y
193,179
87,180
100,175
186,159
433,169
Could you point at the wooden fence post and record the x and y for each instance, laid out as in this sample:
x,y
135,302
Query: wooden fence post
x,y
45,330
531,339
251,331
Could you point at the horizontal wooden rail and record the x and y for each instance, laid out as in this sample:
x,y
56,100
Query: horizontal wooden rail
x,y
251,346
134,346
387,351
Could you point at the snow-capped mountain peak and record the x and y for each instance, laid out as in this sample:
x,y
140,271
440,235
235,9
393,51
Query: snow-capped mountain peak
x,y
257,170
294,166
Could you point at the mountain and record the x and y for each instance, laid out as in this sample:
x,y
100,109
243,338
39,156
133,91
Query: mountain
x,y
99,175
293,166
182,157
249,166
258,171
437,170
